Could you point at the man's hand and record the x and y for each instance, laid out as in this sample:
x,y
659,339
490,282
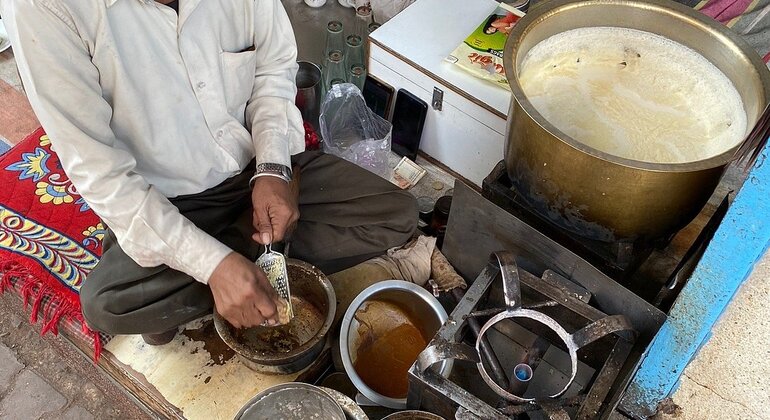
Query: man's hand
x,y
275,209
242,293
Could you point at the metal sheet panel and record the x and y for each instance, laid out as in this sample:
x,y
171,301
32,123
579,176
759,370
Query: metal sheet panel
x,y
477,227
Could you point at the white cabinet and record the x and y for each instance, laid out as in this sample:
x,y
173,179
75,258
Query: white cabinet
x,y
467,134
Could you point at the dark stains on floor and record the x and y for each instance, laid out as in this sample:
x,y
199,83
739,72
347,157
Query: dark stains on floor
x,y
219,352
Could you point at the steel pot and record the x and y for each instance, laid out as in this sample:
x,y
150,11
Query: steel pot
x,y
308,98
314,305
292,400
414,300
412,415
597,195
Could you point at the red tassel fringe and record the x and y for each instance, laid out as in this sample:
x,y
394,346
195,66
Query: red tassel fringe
x,y
58,302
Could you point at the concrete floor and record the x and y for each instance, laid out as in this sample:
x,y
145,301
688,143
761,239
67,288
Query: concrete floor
x,y
730,376
47,378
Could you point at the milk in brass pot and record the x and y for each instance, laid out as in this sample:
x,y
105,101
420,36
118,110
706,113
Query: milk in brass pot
x,y
625,113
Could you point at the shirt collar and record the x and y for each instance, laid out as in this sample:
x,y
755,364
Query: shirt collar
x,y
109,3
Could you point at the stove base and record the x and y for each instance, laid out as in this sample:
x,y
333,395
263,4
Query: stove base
x,y
618,259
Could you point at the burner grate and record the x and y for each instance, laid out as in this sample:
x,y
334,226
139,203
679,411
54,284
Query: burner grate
x,y
530,344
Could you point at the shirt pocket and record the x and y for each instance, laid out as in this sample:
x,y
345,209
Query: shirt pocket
x,y
238,70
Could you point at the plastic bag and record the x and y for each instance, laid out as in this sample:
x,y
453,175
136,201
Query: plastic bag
x,y
353,132
383,10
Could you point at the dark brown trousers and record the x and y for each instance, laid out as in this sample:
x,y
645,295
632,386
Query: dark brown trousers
x,y
347,215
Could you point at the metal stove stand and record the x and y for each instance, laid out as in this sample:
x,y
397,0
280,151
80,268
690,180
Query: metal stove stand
x,y
573,351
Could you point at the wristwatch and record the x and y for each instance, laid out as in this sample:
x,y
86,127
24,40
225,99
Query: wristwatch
x,y
272,169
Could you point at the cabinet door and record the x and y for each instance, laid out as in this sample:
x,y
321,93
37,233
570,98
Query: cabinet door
x,y
462,135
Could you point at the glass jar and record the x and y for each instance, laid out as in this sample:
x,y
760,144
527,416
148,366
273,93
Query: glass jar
x,y
425,208
440,218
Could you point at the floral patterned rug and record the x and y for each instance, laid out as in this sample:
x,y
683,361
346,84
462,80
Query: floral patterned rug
x,y
49,238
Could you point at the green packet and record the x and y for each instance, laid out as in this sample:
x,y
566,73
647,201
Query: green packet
x,y
481,54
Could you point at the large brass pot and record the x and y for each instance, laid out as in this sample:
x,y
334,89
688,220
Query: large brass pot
x,y
595,194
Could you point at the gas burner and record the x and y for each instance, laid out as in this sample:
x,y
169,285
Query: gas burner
x,y
536,343
618,259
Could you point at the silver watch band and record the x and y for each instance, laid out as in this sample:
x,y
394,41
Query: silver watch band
x,y
272,169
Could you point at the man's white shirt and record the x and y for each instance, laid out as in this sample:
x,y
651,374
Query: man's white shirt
x,y
142,104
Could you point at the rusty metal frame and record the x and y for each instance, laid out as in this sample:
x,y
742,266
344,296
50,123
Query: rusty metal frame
x,y
435,393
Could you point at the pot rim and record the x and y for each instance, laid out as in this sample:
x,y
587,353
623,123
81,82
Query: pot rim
x,y
541,13
340,414
347,361
222,326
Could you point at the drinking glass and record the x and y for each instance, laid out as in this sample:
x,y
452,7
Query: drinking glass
x,y
357,75
363,19
371,28
334,69
354,51
335,40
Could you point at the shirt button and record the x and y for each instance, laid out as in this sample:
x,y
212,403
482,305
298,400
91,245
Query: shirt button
x,y
220,133
201,85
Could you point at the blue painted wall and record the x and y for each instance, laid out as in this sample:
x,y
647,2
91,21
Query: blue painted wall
x,y
740,241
